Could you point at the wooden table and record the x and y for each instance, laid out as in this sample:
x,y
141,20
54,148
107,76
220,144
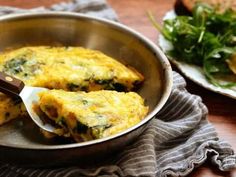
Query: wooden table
x,y
222,112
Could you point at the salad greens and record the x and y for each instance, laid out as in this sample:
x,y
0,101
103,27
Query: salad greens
x,y
207,39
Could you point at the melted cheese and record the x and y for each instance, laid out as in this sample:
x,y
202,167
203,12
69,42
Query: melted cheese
x,y
95,114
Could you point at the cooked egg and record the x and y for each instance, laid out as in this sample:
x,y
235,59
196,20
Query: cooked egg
x,y
93,115
67,68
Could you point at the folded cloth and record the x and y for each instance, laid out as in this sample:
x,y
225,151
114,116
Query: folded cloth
x,y
97,8
176,141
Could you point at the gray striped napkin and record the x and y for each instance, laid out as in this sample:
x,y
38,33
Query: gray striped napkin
x,y
97,8
179,139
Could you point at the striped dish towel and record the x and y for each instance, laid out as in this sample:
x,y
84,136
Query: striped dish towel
x,y
179,139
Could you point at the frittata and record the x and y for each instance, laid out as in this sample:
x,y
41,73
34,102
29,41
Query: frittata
x,y
10,108
95,114
67,68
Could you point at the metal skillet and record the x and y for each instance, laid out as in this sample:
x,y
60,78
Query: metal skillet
x,y
20,141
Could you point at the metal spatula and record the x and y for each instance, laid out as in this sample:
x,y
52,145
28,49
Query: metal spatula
x,y
29,95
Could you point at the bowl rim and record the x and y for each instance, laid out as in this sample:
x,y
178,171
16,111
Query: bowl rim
x,y
151,45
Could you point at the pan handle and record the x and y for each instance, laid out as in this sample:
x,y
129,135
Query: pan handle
x,y
10,85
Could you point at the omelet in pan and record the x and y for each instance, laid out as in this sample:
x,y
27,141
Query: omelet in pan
x,y
92,115
66,68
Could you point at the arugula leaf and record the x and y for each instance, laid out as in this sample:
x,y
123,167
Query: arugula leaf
x,y
207,39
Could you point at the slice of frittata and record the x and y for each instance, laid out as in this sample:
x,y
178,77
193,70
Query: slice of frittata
x,y
95,114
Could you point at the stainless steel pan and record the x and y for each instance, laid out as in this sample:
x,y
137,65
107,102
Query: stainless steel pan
x,y
21,141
